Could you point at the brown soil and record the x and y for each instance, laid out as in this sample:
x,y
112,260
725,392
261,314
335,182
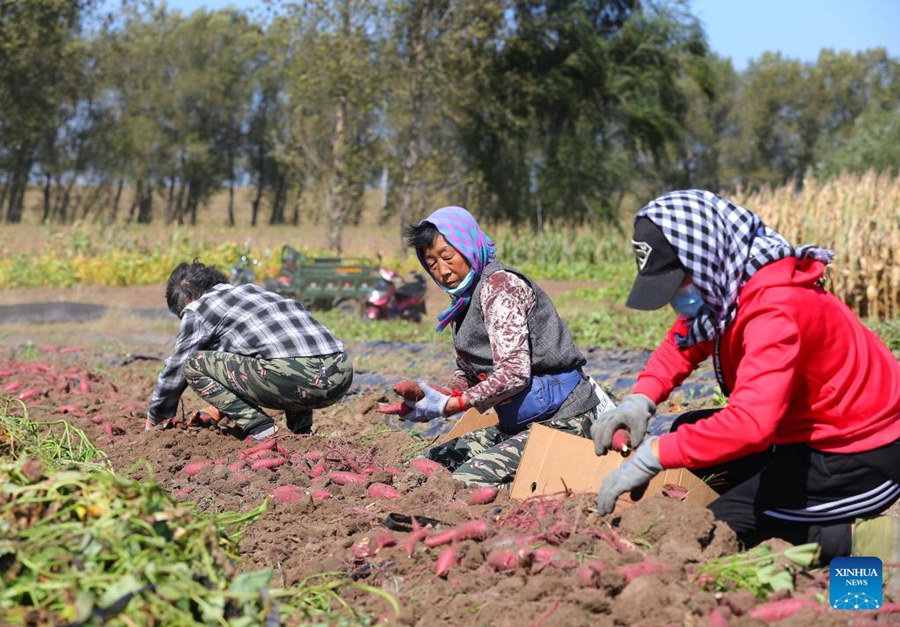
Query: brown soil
x,y
549,561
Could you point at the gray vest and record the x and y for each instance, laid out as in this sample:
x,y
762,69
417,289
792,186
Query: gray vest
x,y
552,348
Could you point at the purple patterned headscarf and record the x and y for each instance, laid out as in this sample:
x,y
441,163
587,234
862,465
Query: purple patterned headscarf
x,y
461,230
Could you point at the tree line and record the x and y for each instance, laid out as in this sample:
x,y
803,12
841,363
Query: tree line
x,y
524,110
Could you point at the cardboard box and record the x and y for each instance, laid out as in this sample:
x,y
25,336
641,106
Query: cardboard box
x,y
470,421
555,461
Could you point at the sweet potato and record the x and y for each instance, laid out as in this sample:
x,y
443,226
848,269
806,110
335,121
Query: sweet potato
x,y
66,409
674,491
502,561
27,395
382,538
410,390
426,466
446,560
785,608
557,533
371,470
235,466
717,618
543,557
192,468
471,530
620,441
263,446
384,491
587,573
398,409
288,494
98,419
12,386
270,463
483,496
320,495
111,429
650,566
376,540
418,533
84,386
343,477
261,455
445,537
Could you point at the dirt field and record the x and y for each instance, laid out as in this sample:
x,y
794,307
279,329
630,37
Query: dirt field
x,y
549,561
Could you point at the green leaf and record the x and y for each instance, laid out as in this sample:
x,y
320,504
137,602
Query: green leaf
x,y
803,554
126,585
84,606
251,583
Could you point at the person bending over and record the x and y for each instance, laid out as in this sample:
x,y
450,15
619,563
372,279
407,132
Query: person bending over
x,y
242,348
808,442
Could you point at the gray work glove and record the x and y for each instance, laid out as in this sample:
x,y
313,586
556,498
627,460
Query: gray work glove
x,y
429,407
632,474
632,414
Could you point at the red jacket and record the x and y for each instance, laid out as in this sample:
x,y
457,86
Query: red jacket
x,y
802,369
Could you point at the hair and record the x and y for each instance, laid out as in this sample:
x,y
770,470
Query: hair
x,y
420,236
190,281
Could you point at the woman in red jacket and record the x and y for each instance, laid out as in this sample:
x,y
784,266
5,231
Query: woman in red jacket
x,y
809,438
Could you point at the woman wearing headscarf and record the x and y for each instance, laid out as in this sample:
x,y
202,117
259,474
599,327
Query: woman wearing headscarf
x,y
808,442
513,352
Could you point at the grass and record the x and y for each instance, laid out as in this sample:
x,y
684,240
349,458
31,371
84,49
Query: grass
x,y
83,545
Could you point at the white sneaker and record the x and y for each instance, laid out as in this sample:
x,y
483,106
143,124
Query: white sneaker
x,y
268,433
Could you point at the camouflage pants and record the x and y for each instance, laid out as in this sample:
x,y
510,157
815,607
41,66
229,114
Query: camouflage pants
x,y
491,457
239,387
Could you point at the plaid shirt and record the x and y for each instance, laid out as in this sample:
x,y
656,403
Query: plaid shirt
x,y
244,320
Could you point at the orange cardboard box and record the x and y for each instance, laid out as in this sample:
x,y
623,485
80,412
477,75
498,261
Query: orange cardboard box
x,y
470,421
555,461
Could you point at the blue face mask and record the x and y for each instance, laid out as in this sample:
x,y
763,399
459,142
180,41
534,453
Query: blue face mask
x,y
463,285
687,301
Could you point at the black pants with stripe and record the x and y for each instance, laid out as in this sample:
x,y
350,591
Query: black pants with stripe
x,y
801,495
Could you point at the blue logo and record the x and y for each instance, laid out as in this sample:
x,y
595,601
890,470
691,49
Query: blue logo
x,y
855,583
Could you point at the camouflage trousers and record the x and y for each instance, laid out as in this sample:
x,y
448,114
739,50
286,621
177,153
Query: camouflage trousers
x,y
239,387
491,457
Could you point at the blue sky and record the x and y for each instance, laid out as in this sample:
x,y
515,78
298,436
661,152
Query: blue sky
x,y
799,29
744,29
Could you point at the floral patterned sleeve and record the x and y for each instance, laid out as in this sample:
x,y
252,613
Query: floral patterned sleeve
x,y
506,301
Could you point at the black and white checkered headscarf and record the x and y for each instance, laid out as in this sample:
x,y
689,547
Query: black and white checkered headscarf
x,y
721,245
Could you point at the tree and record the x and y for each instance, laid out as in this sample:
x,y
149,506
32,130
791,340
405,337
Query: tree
x,y
438,51
40,62
580,97
334,81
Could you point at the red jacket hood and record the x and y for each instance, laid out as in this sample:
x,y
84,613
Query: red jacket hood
x,y
785,272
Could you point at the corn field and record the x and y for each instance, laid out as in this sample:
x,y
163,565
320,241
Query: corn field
x,y
856,216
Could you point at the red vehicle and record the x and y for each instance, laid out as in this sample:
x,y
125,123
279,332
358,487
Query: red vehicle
x,y
393,297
